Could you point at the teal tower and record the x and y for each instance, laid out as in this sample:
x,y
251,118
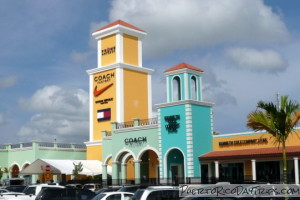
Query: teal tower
x,y
185,128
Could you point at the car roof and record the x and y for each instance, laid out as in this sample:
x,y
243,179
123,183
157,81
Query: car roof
x,y
117,193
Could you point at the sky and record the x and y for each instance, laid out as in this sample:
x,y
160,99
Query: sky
x,y
248,49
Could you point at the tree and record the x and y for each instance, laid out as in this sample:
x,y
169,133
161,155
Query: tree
x,y
1,173
77,169
6,171
279,121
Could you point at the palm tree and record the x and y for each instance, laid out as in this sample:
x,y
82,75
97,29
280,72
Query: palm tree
x,y
279,121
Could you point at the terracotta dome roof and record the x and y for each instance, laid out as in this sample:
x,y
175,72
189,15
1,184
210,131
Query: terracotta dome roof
x,y
183,66
120,22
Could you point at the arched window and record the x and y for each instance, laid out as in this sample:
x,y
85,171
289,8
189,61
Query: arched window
x,y
193,88
176,89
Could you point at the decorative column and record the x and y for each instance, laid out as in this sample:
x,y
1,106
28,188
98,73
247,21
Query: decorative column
x,y
104,175
253,162
137,171
115,173
217,170
296,169
123,173
209,173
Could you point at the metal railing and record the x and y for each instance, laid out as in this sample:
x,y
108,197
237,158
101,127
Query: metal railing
x,y
15,146
150,121
46,144
141,122
42,145
108,133
125,125
27,144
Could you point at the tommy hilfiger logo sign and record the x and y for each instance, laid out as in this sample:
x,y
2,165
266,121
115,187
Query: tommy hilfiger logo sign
x,y
103,114
108,50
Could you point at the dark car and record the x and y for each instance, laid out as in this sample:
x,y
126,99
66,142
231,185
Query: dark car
x,y
65,194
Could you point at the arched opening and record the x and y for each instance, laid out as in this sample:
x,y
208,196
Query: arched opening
x,y
149,167
176,89
193,88
125,169
130,170
15,171
175,166
28,178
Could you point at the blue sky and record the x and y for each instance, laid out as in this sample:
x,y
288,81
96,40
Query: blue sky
x,y
248,50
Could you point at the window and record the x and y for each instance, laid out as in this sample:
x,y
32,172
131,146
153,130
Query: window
x,y
114,197
176,89
193,88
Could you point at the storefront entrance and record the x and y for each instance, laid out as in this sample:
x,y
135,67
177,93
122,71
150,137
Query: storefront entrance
x,y
268,171
176,166
232,172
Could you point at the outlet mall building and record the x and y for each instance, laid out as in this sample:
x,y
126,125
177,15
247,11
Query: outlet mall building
x,y
179,144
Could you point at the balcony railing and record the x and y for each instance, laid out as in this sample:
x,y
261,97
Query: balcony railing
x,y
125,125
137,122
41,145
150,121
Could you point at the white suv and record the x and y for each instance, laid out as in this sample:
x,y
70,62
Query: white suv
x,y
92,186
156,193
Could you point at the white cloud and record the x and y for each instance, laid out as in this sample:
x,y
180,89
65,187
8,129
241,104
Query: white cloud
x,y
62,114
53,99
8,81
257,60
47,127
177,24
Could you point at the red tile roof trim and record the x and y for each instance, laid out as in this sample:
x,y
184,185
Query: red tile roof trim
x,y
265,153
120,22
183,66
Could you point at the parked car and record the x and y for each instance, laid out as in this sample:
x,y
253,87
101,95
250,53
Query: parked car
x,y
157,193
108,189
132,188
29,192
113,196
13,181
15,188
3,191
74,185
65,194
92,186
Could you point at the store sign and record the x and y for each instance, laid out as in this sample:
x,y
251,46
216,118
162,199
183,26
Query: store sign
x,y
108,50
47,168
138,141
172,125
103,114
103,78
105,101
237,142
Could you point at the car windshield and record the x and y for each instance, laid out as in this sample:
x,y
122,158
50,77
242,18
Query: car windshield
x,y
29,190
128,189
138,194
99,196
88,187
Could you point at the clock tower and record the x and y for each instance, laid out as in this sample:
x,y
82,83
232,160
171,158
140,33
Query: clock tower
x,y
120,87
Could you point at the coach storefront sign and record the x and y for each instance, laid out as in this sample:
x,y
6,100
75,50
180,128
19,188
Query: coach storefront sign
x,y
137,141
172,125
239,142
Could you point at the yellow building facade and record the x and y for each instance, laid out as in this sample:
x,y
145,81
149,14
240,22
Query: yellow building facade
x,y
120,87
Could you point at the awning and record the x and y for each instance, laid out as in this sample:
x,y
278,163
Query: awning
x,y
90,167
246,154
